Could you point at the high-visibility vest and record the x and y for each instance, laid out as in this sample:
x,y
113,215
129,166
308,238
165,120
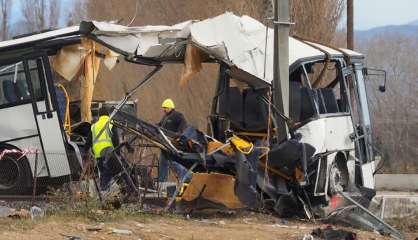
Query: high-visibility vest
x,y
105,139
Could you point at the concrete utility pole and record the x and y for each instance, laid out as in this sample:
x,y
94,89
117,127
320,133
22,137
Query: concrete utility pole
x,y
350,24
281,64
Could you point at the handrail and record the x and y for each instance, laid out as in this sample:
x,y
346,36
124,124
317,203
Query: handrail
x,y
67,117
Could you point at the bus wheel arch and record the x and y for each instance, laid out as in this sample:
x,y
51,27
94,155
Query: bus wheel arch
x,y
15,172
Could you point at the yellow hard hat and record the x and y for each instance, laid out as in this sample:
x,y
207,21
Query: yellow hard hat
x,y
168,103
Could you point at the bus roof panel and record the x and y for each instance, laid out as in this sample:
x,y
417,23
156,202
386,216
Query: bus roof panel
x,y
13,43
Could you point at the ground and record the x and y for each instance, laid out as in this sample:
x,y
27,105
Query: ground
x,y
97,225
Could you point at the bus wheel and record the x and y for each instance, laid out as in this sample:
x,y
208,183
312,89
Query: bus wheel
x,y
15,174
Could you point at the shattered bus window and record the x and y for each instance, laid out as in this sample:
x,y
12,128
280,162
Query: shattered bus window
x,y
327,84
14,84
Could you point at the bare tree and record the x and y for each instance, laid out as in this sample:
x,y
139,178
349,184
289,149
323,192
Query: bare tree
x,y
77,13
5,8
33,13
316,20
313,19
41,14
395,112
54,10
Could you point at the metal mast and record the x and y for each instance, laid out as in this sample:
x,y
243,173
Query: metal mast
x,y
350,24
281,64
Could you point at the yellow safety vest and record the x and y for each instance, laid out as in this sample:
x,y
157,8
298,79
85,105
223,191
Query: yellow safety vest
x,y
105,139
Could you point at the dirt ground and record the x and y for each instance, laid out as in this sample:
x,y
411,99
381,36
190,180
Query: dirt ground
x,y
153,227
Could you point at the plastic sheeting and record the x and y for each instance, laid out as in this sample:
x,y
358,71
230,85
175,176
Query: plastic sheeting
x,y
192,63
81,59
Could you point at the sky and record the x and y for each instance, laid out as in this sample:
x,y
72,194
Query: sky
x,y
375,13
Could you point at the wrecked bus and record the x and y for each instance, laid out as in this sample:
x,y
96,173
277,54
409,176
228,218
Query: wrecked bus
x,y
328,150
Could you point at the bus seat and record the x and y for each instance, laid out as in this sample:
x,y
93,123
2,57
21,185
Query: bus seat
x,y
231,106
9,91
330,100
255,110
307,109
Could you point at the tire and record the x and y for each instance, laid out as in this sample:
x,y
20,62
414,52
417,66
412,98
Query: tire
x,y
338,176
15,173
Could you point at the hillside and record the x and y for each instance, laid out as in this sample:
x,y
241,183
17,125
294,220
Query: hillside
x,y
408,30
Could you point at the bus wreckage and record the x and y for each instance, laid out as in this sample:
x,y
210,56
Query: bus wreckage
x,y
322,167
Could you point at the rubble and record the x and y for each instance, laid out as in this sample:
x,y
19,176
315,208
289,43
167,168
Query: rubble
x,y
36,212
121,231
5,211
69,237
95,228
21,214
328,233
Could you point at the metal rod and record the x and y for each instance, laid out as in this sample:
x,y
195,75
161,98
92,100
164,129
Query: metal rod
x,y
35,177
127,175
396,234
181,182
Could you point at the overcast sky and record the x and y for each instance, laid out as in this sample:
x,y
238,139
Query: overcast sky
x,y
374,13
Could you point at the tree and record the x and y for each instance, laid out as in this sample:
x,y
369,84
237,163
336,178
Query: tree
x,y
5,8
313,19
316,20
77,13
41,14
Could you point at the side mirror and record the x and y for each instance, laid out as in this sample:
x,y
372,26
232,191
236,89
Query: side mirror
x,y
376,72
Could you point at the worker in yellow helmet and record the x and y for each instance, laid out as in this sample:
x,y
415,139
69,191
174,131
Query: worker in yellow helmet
x,y
103,146
174,122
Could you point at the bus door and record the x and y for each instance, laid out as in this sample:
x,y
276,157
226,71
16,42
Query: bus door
x,y
46,113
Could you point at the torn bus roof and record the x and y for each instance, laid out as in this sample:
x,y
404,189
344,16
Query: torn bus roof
x,y
237,41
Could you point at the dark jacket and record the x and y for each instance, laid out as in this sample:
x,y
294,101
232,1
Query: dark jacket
x,y
173,121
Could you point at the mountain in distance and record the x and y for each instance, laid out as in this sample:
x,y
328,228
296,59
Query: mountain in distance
x,y
410,29
413,23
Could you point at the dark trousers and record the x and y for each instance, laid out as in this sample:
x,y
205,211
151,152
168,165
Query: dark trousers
x,y
166,163
104,168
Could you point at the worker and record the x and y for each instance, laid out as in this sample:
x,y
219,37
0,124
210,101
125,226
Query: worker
x,y
172,120
103,146
175,122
